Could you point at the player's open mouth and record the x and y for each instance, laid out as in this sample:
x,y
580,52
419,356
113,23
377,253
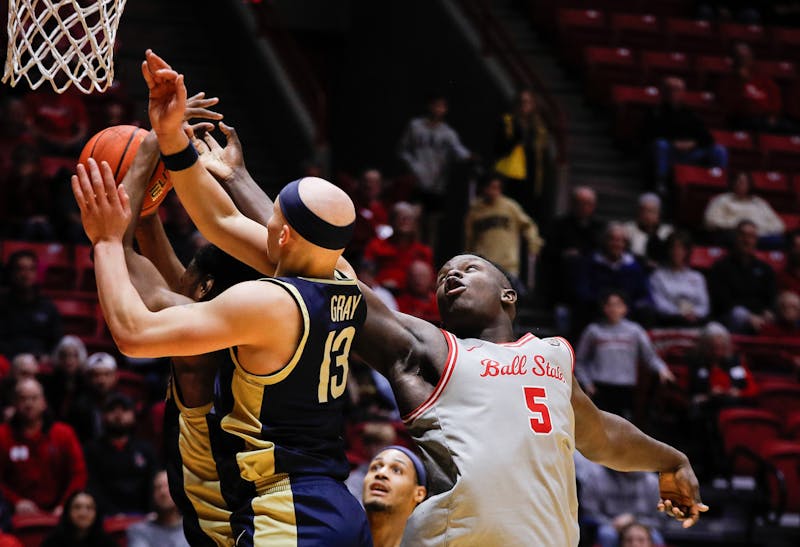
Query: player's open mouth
x,y
377,487
453,286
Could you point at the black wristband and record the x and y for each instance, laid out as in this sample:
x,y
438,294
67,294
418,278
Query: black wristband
x,y
180,160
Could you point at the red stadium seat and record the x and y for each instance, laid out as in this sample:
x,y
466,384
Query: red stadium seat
x,y
578,28
741,147
777,70
659,64
781,151
607,66
786,42
754,35
630,108
749,429
695,187
85,269
693,35
702,258
711,69
79,317
32,529
704,103
790,220
776,188
792,425
785,456
636,30
780,398
55,261
51,165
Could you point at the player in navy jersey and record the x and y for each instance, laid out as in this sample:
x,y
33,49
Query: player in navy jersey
x,y
279,401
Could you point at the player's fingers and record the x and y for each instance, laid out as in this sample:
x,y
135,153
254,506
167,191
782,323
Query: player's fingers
x,y
230,132
196,97
155,61
180,87
702,507
204,113
123,199
109,184
165,75
78,193
86,188
148,76
211,142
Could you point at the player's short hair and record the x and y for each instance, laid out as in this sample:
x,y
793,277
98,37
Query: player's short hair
x,y
225,270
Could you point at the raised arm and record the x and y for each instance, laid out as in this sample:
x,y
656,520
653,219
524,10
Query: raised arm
x,y
616,443
209,206
235,318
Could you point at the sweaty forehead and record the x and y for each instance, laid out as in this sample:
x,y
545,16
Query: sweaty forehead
x,y
393,455
461,261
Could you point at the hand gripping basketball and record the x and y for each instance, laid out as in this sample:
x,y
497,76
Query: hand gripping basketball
x,y
105,210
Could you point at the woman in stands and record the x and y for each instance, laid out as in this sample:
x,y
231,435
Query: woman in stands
x,y
81,525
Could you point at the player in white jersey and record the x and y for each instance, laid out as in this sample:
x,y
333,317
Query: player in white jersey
x,y
497,420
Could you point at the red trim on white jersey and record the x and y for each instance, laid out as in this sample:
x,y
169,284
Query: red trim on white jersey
x,y
571,351
450,365
527,337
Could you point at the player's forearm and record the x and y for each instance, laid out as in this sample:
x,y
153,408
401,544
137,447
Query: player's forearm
x,y
136,179
626,448
123,308
248,197
155,246
209,206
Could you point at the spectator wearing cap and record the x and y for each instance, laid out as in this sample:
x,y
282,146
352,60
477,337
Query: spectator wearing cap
x,y
121,467
41,461
394,485
29,321
85,413
647,234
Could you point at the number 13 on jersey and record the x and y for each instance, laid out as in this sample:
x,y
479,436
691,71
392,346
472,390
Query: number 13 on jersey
x,y
337,349
536,400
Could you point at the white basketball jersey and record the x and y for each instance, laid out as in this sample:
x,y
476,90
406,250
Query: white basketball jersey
x,y
497,437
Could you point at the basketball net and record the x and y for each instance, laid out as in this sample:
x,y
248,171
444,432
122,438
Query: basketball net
x,y
62,41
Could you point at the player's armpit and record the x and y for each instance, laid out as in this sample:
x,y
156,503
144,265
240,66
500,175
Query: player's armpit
x,y
240,316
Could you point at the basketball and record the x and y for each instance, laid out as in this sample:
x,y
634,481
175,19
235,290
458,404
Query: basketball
x,y
117,145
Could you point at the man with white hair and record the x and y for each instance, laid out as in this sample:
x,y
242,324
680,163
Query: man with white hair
x,y
647,234
85,413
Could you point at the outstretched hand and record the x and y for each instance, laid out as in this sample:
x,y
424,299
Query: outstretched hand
x,y
167,104
198,107
222,163
680,495
105,208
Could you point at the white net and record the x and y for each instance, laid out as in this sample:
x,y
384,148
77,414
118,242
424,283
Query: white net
x,y
64,42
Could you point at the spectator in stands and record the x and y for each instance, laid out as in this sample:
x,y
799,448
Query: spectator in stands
x,y
67,379
23,365
496,226
647,234
521,147
789,278
80,525
392,256
570,236
59,121
612,500
29,322
428,148
167,526
750,100
636,535
742,287
725,211
121,467
393,487
27,197
41,462
786,323
85,413
608,355
371,215
678,135
613,268
419,298
680,294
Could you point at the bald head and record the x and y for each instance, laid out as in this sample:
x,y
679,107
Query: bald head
x,y
328,202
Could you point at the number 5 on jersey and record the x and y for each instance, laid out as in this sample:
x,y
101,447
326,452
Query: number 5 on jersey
x,y
337,349
540,422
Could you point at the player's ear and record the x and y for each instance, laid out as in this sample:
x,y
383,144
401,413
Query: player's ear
x,y
284,236
420,492
508,296
206,286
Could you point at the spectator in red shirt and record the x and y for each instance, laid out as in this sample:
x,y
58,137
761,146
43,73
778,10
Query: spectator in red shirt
x,y
59,121
719,373
41,462
393,256
419,298
371,216
751,100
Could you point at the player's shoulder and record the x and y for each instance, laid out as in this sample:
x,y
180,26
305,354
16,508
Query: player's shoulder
x,y
558,346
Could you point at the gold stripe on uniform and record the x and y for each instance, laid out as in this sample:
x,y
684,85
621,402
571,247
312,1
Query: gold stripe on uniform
x,y
275,522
